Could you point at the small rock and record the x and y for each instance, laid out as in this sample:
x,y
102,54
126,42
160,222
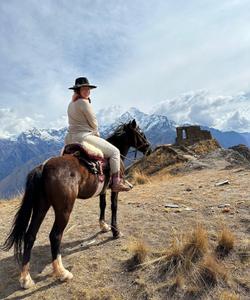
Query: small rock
x,y
226,210
189,209
224,205
200,186
188,189
171,205
240,202
222,183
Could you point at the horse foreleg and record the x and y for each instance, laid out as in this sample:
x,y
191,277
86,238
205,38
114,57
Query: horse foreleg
x,y
103,225
114,228
29,239
55,236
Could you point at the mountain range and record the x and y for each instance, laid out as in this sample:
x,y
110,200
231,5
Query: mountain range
x,y
20,154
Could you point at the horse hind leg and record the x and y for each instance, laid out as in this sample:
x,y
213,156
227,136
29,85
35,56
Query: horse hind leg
x,y
56,234
103,225
114,199
29,239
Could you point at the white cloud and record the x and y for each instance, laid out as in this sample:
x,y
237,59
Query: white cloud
x,y
201,107
138,53
237,122
11,124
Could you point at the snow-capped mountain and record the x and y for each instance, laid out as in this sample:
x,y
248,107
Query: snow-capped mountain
x,y
26,146
18,156
157,128
34,136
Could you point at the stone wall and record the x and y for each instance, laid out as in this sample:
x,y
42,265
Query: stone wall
x,y
188,135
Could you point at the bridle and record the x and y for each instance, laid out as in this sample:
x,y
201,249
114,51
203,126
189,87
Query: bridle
x,y
137,134
144,140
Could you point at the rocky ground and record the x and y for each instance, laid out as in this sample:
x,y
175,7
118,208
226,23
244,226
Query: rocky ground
x,y
159,216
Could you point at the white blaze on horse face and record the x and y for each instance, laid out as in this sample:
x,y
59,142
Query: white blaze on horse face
x,y
25,280
59,270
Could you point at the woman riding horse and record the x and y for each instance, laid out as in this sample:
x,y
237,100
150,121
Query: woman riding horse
x,y
83,127
60,180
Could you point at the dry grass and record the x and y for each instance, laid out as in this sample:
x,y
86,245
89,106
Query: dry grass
x,y
99,269
244,251
197,244
100,294
209,272
173,262
225,242
204,147
189,257
184,253
139,177
179,281
139,251
229,296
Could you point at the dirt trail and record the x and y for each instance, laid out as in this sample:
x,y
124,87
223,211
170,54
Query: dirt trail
x,y
98,262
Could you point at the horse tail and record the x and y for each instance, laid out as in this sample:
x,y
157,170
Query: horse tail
x,y
21,221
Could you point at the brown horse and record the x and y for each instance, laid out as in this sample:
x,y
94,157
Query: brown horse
x,y
57,183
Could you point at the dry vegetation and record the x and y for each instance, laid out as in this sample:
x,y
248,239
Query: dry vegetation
x,y
204,147
188,265
197,251
139,252
225,242
138,177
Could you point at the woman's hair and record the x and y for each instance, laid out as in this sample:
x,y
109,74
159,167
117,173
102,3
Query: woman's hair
x,y
77,95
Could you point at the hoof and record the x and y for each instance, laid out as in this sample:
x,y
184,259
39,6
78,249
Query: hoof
x,y
105,227
117,235
26,282
65,276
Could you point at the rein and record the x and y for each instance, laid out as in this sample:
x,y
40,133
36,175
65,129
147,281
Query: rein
x,y
125,157
138,137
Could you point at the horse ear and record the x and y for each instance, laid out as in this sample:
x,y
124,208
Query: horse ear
x,y
133,123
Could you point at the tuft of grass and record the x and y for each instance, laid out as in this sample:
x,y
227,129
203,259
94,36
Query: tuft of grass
x,y
210,272
184,253
173,261
197,244
139,177
139,251
225,243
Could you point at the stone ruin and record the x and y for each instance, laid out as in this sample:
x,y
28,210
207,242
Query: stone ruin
x,y
188,135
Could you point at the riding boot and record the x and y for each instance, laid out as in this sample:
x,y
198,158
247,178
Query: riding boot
x,y
118,185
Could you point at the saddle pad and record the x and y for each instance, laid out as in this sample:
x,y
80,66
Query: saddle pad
x,y
92,150
85,148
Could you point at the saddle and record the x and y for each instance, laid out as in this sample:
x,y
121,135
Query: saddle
x,y
93,160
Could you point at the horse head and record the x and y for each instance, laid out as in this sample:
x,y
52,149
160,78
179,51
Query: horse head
x,y
137,138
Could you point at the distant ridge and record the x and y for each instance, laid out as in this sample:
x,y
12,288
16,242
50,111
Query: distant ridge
x,y
18,156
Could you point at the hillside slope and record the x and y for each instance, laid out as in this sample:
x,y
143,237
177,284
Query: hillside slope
x,y
100,264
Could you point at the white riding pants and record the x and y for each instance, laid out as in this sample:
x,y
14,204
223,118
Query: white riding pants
x,y
109,151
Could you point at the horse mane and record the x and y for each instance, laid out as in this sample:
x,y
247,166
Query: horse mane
x,y
118,130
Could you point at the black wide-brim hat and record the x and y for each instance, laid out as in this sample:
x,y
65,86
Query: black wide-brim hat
x,y
82,81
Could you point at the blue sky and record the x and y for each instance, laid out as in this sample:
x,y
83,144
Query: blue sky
x,y
138,53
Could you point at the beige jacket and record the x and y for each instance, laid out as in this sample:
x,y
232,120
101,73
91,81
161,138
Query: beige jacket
x,y
82,121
